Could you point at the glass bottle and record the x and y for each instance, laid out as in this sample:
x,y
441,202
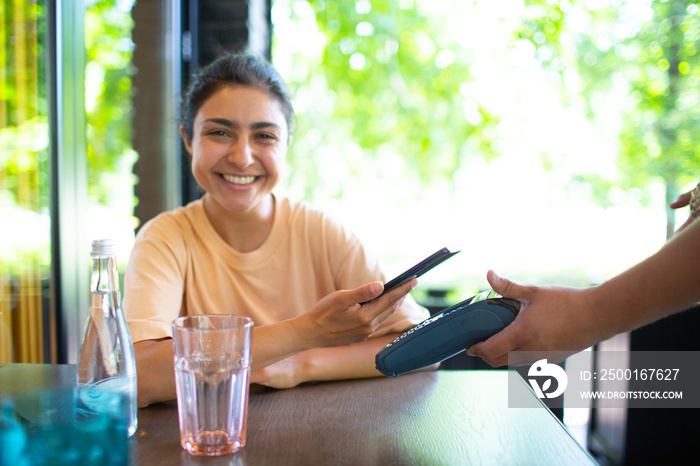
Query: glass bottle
x,y
106,360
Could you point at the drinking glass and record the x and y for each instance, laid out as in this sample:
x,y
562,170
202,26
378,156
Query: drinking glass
x,y
212,370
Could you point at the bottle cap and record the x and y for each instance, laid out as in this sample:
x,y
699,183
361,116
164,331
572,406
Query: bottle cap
x,y
104,248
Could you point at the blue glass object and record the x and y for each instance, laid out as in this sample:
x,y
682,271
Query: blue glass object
x,y
48,427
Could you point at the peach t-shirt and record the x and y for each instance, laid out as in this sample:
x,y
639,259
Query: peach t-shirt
x,y
181,266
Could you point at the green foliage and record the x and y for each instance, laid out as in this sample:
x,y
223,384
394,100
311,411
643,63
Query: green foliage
x,y
389,78
662,135
23,66
392,83
108,98
23,127
654,55
23,163
108,92
24,141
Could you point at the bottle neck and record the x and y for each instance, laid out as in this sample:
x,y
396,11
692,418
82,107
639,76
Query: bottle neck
x,y
104,274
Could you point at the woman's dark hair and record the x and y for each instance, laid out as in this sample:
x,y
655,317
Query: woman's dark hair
x,y
235,70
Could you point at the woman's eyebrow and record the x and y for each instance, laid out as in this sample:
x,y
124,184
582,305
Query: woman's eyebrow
x,y
264,124
221,121
231,124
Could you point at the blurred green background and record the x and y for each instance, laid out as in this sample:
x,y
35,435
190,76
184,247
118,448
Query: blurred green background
x,y
547,137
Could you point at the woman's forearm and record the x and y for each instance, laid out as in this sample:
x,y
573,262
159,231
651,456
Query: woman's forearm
x,y
274,342
155,371
353,361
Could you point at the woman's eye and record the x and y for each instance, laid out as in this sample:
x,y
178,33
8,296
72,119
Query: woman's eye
x,y
218,132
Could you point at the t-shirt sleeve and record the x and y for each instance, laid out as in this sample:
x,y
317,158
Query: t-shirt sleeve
x,y
355,265
154,280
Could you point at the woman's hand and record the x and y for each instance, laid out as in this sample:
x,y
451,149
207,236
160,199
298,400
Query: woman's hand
x,y
337,319
287,373
340,318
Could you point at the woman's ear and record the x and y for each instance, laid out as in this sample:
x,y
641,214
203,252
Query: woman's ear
x,y
183,135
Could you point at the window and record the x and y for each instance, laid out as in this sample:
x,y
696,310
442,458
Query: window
x,y
109,109
66,156
547,137
25,254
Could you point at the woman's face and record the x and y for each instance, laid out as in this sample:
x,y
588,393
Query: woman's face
x,y
239,141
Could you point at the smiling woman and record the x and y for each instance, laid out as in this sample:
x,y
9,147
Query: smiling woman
x,y
298,273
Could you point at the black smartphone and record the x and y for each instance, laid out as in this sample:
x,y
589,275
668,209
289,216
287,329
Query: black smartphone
x,y
420,268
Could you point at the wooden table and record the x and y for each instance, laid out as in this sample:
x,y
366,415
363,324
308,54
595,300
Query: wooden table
x,y
427,418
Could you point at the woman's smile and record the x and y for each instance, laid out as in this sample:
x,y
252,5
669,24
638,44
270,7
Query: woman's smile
x,y
239,180
241,183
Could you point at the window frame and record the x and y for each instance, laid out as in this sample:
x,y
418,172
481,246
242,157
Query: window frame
x,y
67,174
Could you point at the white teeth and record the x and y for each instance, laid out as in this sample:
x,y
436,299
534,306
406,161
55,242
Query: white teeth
x,y
239,179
